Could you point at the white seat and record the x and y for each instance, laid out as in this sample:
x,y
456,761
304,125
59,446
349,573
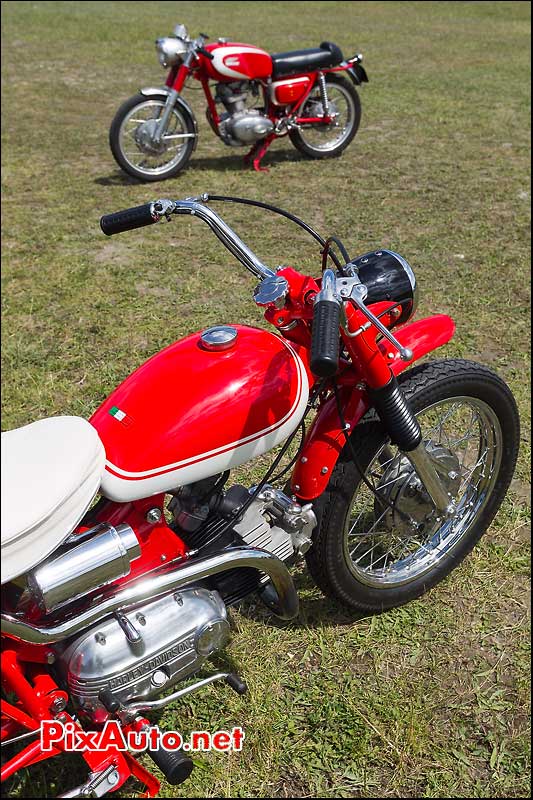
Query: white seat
x,y
51,471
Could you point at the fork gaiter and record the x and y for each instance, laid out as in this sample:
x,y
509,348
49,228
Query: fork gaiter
x,y
396,415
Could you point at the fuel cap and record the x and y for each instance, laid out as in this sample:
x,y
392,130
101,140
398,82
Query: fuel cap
x,y
219,337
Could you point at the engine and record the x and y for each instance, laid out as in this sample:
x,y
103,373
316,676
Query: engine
x,y
240,125
137,653
273,522
141,653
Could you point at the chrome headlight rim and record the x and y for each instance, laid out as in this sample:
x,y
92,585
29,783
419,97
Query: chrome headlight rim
x,y
170,50
412,279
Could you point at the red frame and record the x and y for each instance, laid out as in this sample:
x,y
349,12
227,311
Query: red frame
x,y
274,112
178,75
24,667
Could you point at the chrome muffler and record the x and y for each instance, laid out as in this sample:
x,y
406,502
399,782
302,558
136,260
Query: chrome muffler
x,y
157,585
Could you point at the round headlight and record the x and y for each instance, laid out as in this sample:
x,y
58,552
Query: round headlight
x,y
388,276
170,50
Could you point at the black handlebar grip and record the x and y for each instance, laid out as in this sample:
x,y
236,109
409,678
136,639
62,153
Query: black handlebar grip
x,y
174,764
127,220
325,338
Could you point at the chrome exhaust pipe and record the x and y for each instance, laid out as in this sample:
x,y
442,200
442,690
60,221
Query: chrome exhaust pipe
x,y
158,585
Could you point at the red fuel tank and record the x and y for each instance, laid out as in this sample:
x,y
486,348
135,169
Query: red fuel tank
x,y
190,412
233,61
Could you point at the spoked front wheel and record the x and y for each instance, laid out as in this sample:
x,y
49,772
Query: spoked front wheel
x,y
376,550
133,144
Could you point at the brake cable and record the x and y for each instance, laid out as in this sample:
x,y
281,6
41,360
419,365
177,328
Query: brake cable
x,y
292,217
327,252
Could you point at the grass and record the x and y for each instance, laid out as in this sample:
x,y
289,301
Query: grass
x,y
431,700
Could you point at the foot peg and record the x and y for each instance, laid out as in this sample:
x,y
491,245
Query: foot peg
x,y
175,765
238,685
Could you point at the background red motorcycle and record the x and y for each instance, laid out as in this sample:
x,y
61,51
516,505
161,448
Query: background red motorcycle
x,y
304,94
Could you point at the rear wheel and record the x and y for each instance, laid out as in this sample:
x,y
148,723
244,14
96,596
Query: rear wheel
x,y
329,139
132,144
370,556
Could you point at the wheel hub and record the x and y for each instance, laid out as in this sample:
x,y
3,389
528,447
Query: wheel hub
x,y
401,486
316,109
145,137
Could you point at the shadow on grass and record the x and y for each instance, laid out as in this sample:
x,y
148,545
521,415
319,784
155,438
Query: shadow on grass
x,y
227,163
315,611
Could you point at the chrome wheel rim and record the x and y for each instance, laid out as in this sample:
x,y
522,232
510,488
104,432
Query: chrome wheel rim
x,y
328,136
384,548
134,138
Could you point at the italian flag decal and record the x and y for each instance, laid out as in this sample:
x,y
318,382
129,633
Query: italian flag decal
x,y
120,416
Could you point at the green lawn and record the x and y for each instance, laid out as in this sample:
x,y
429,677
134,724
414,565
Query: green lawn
x,y
431,700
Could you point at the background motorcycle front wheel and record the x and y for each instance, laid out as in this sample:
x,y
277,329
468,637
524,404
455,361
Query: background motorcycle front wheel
x,y
372,557
328,141
129,138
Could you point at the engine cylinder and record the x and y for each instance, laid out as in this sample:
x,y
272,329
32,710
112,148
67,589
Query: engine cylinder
x,y
104,556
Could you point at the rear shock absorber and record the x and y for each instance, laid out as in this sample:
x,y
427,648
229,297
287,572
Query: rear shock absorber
x,y
323,93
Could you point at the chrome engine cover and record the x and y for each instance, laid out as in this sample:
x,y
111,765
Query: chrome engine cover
x,y
177,633
244,127
249,126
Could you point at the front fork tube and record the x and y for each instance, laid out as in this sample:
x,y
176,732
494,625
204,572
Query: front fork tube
x,y
404,430
165,116
428,472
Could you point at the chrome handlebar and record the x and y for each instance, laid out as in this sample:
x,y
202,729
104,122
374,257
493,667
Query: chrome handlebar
x,y
276,287
228,237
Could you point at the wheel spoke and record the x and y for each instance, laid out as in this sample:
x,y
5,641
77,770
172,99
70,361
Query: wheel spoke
x,y
139,126
382,546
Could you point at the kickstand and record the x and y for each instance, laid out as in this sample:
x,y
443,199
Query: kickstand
x,y
257,153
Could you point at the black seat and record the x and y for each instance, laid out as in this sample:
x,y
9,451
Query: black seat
x,y
327,55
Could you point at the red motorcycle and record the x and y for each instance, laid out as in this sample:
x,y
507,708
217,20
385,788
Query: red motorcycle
x,y
396,476
301,93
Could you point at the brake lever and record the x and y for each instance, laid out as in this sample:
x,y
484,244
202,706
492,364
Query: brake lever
x,y
352,289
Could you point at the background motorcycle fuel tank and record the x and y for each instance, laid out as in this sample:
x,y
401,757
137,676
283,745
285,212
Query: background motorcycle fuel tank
x,y
233,61
204,404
